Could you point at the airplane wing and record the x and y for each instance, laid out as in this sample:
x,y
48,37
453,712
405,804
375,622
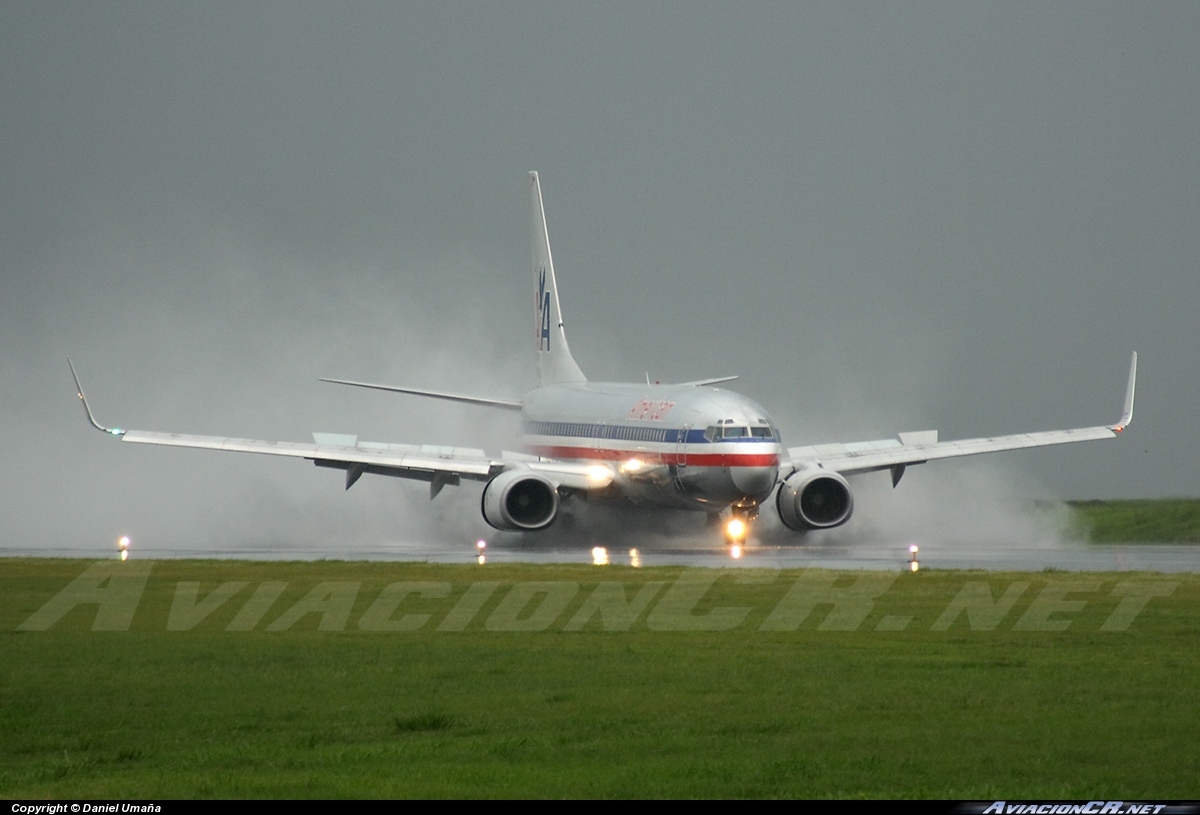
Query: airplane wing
x,y
437,465
922,446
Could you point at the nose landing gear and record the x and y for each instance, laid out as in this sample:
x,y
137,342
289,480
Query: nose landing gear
x,y
737,528
735,531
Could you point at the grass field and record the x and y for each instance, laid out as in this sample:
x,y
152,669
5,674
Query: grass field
x,y
1158,520
330,679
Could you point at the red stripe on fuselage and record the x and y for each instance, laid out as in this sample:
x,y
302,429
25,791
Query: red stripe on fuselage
x,y
688,459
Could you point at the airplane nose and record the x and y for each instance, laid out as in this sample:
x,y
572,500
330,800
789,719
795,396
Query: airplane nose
x,y
754,482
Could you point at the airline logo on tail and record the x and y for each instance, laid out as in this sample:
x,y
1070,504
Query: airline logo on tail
x,y
543,307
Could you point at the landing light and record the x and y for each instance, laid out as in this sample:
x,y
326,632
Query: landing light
x,y
631,466
635,558
123,546
735,530
599,556
735,551
599,473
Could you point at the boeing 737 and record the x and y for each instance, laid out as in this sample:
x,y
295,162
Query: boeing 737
x,y
673,446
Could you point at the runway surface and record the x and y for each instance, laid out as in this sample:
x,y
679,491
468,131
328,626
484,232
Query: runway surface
x,y
661,552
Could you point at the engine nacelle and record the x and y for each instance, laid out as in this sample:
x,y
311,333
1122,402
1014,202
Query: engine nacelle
x,y
519,499
813,498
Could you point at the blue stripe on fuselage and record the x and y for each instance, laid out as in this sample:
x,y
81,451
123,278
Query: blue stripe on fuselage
x,y
660,435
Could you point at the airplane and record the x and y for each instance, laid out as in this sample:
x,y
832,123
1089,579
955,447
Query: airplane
x,y
689,446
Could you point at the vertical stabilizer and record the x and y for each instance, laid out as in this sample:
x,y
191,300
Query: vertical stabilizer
x,y
554,362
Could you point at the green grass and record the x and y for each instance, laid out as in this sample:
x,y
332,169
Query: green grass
x,y
1159,520
891,708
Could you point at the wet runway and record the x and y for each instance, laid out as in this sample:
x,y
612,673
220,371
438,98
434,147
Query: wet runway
x,y
662,552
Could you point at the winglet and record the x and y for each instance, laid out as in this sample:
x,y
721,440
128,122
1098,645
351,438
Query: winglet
x,y
115,431
1127,413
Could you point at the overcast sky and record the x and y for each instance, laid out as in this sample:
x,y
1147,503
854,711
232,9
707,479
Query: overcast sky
x,y
882,216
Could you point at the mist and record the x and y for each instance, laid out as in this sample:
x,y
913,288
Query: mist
x,y
882,218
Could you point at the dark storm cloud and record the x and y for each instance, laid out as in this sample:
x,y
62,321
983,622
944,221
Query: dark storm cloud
x,y
884,217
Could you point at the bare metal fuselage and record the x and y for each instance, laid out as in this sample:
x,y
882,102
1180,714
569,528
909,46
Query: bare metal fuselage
x,y
674,446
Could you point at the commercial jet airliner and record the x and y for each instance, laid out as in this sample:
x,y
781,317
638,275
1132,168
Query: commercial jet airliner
x,y
682,446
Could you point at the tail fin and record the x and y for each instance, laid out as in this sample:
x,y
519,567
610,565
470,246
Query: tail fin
x,y
554,362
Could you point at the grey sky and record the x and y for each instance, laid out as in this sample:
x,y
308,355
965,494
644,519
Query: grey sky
x,y
884,217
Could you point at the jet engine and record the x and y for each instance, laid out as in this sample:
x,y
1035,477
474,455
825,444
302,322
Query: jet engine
x,y
812,498
519,499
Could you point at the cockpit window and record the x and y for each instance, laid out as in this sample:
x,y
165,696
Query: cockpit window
x,y
726,429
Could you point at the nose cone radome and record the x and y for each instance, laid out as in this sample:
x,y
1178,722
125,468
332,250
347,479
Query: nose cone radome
x,y
754,482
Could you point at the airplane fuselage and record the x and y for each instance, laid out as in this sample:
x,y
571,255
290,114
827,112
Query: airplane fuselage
x,y
678,446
